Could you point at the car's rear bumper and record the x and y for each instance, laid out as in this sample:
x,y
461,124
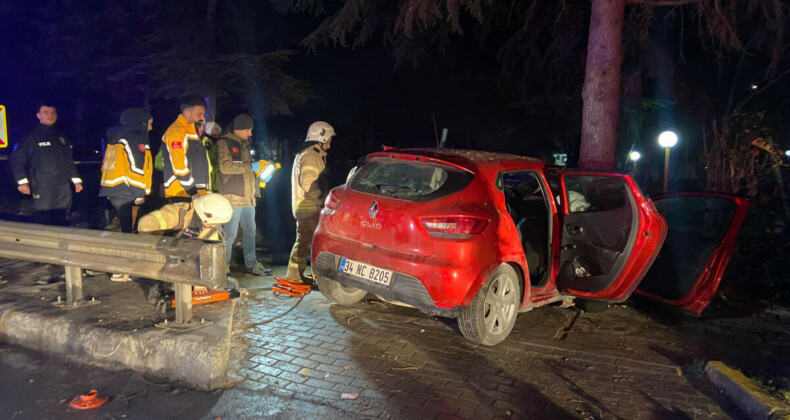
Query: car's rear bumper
x,y
404,288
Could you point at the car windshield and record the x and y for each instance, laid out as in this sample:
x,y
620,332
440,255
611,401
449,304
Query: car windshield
x,y
408,180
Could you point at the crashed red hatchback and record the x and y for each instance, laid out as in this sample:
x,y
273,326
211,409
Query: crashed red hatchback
x,y
481,236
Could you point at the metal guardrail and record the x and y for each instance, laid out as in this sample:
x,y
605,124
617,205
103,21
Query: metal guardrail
x,y
183,262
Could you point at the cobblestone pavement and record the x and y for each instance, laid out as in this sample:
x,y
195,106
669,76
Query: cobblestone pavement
x,y
557,363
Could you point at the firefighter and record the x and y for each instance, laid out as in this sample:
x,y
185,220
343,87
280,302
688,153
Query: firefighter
x,y
199,219
43,168
185,163
127,166
308,188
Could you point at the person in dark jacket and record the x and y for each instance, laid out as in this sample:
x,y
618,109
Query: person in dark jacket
x,y
238,184
44,168
127,166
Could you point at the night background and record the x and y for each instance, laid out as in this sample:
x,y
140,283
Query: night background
x,y
500,76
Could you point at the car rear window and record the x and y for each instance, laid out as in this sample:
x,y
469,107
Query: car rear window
x,y
409,180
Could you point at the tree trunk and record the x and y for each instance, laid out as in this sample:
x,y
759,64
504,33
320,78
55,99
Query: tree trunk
x,y
601,93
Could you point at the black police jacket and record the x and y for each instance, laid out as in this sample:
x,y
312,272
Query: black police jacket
x,y
44,159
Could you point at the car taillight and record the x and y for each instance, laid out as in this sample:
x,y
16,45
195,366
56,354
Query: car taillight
x,y
454,226
330,204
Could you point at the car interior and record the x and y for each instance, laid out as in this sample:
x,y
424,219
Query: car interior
x,y
695,228
597,233
526,202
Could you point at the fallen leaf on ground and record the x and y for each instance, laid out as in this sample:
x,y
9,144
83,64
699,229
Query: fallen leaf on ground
x,y
348,396
304,371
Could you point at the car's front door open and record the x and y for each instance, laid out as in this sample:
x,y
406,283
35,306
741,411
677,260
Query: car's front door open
x,y
611,234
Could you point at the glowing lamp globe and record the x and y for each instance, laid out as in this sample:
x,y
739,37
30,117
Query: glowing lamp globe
x,y
667,139
634,156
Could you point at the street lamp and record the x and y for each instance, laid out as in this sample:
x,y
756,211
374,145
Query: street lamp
x,y
667,140
787,152
634,156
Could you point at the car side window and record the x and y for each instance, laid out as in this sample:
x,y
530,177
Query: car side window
x,y
589,193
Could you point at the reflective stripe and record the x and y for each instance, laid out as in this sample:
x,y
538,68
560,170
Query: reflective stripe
x,y
162,223
130,156
184,171
173,178
113,182
313,169
137,184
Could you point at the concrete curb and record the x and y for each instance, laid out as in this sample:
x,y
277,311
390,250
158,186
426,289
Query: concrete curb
x,y
199,359
746,393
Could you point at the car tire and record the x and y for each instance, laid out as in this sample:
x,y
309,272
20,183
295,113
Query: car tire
x,y
336,292
492,314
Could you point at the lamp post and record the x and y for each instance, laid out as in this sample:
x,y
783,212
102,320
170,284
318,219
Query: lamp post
x,y
667,140
634,156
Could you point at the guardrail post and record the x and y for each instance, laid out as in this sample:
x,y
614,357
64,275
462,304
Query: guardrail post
x,y
183,303
73,285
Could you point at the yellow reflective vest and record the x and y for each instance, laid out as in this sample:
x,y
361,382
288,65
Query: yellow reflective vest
x,y
126,169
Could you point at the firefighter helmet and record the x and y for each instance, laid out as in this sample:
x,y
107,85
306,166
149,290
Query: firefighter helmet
x,y
320,131
213,208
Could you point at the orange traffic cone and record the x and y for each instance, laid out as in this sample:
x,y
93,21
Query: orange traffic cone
x,y
89,400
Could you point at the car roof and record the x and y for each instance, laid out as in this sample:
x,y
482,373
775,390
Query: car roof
x,y
465,158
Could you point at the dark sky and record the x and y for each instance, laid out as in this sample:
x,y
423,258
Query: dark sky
x,y
360,91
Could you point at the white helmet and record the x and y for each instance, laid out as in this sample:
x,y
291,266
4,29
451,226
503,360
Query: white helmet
x,y
213,208
212,127
320,131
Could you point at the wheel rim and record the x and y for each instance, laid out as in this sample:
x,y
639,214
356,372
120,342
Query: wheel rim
x,y
499,307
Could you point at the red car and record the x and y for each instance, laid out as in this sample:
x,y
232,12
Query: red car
x,y
481,236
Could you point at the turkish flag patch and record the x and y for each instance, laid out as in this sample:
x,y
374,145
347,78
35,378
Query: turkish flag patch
x,y
235,150
141,147
175,145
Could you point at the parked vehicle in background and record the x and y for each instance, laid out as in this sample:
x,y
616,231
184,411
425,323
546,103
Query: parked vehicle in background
x,y
481,236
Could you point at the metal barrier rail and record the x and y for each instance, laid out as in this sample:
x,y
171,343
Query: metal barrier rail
x,y
184,262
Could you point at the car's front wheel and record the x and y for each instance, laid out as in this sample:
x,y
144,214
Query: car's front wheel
x,y
492,314
336,292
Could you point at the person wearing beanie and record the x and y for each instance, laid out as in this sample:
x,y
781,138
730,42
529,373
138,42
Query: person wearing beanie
x,y
238,184
127,166
44,168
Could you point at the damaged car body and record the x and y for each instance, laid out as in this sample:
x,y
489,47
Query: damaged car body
x,y
482,236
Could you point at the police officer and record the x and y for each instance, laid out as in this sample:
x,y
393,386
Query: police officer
x,y
308,189
43,168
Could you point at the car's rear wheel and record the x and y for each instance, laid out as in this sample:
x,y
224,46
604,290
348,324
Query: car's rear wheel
x,y
336,292
492,314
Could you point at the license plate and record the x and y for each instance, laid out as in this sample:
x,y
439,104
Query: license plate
x,y
365,271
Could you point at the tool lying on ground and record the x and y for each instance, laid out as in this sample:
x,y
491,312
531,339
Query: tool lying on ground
x,y
207,296
89,400
290,287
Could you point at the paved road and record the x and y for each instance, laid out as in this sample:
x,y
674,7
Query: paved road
x,y
296,359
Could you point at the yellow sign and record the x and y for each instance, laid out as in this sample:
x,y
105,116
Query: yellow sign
x,y
3,128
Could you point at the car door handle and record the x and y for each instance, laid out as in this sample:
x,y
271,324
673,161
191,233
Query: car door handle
x,y
574,230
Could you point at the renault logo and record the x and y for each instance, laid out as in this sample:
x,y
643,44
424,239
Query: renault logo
x,y
373,210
